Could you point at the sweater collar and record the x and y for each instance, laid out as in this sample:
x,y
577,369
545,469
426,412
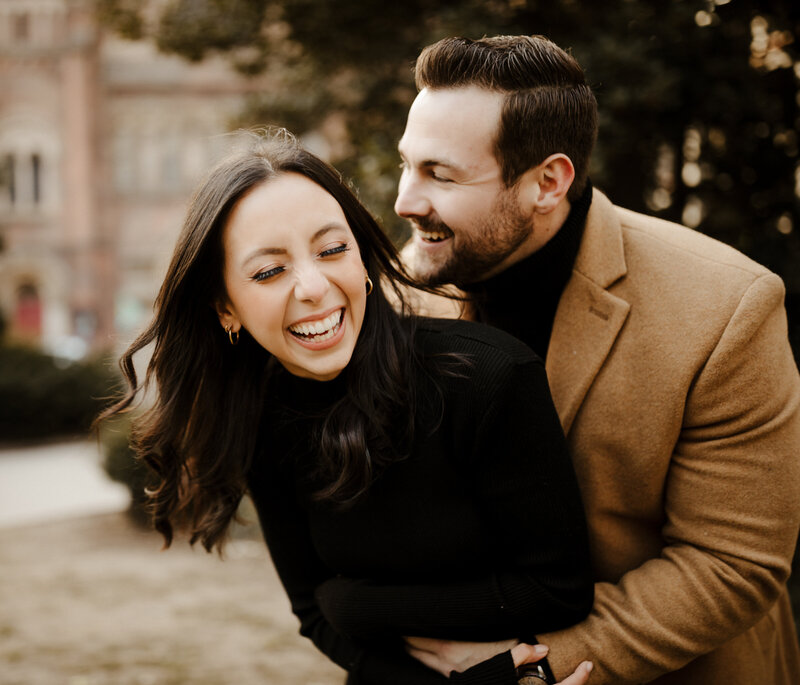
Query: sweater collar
x,y
538,280
305,395
548,264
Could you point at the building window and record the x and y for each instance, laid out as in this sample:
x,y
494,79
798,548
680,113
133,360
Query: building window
x,y
22,181
21,27
27,323
36,171
8,173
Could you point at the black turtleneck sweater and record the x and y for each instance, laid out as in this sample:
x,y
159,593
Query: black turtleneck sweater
x,y
478,534
522,300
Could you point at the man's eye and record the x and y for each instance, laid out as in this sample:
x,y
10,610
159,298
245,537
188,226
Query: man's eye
x,y
267,274
441,179
334,250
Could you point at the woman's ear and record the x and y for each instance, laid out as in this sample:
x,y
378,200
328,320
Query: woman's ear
x,y
227,317
545,186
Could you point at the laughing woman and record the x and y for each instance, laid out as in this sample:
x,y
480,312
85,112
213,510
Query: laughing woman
x,y
410,475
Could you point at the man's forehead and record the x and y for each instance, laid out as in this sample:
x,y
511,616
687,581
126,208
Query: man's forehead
x,y
452,126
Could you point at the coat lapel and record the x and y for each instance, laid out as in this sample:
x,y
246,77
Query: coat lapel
x,y
588,318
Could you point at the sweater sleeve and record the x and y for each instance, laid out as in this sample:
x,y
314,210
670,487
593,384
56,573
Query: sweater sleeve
x,y
523,479
284,525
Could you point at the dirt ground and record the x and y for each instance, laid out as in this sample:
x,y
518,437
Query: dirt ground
x,y
94,601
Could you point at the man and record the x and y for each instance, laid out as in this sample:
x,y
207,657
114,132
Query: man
x,y
667,355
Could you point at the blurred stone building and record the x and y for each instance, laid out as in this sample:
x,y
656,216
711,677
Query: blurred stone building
x,y
101,141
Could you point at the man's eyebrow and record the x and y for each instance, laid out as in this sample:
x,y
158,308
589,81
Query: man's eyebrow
x,y
428,163
262,251
447,164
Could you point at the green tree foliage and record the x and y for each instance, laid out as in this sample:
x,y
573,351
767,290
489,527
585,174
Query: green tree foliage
x,y
698,98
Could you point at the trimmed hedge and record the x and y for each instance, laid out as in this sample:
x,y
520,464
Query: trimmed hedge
x,y
41,398
122,466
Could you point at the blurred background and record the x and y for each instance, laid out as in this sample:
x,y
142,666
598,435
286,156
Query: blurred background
x,y
111,111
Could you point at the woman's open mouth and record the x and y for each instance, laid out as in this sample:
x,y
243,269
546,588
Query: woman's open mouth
x,y
318,331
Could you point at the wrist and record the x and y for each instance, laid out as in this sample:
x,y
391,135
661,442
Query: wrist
x,y
538,673
499,669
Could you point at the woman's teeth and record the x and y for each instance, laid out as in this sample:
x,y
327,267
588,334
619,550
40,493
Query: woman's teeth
x,y
321,330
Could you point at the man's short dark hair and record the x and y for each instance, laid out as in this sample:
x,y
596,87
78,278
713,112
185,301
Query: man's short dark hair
x,y
548,106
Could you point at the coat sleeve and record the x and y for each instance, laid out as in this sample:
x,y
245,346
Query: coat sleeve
x,y
523,481
731,512
283,522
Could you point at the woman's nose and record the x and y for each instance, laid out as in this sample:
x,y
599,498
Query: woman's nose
x,y
311,284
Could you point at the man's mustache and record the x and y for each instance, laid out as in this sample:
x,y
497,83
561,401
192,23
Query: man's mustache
x,y
431,224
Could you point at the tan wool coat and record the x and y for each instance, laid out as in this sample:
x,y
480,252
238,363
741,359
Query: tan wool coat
x,y
671,371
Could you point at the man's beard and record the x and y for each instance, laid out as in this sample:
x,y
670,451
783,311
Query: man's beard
x,y
492,240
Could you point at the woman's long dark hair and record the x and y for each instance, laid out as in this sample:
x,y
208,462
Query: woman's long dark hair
x,y
199,434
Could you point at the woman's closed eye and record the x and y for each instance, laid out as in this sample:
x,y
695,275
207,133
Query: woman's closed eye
x,y
266,274
336,249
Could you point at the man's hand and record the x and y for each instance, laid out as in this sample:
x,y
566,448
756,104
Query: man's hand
x,y
445,656
528,654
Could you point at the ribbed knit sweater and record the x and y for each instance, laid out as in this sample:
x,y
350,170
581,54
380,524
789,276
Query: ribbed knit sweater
x,y
479,534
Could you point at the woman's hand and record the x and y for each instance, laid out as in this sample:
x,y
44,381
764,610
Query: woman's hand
x,y
445,656
450,655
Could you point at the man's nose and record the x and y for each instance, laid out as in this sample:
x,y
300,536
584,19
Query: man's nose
x,y
411,201
311,284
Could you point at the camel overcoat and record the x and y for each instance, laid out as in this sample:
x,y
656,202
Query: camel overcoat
x,y
670,368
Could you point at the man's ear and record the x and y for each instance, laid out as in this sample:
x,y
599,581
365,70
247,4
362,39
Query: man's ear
x,y
543,187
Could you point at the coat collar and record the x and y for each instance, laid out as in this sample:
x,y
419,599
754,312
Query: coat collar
x,y
588,318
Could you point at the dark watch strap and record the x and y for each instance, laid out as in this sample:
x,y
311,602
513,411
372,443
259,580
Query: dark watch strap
x,y
534,674
547,673
547,670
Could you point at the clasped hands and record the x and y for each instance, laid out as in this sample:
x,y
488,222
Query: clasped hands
x,y
336,598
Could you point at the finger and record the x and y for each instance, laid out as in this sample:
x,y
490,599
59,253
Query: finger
x,y
580,676
429,659
527,654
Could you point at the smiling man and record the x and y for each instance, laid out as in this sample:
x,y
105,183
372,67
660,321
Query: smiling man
x,y
466,189
667,355
469,222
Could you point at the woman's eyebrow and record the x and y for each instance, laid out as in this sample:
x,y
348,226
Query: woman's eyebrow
x,y
326,229
261,251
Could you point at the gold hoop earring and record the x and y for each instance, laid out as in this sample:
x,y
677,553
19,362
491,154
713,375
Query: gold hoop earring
x,y
233,336
369,284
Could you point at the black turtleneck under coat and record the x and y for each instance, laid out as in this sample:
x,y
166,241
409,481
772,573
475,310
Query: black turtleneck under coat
x,y
522,299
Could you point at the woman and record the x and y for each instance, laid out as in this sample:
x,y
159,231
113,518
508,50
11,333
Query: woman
x,y
410,476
